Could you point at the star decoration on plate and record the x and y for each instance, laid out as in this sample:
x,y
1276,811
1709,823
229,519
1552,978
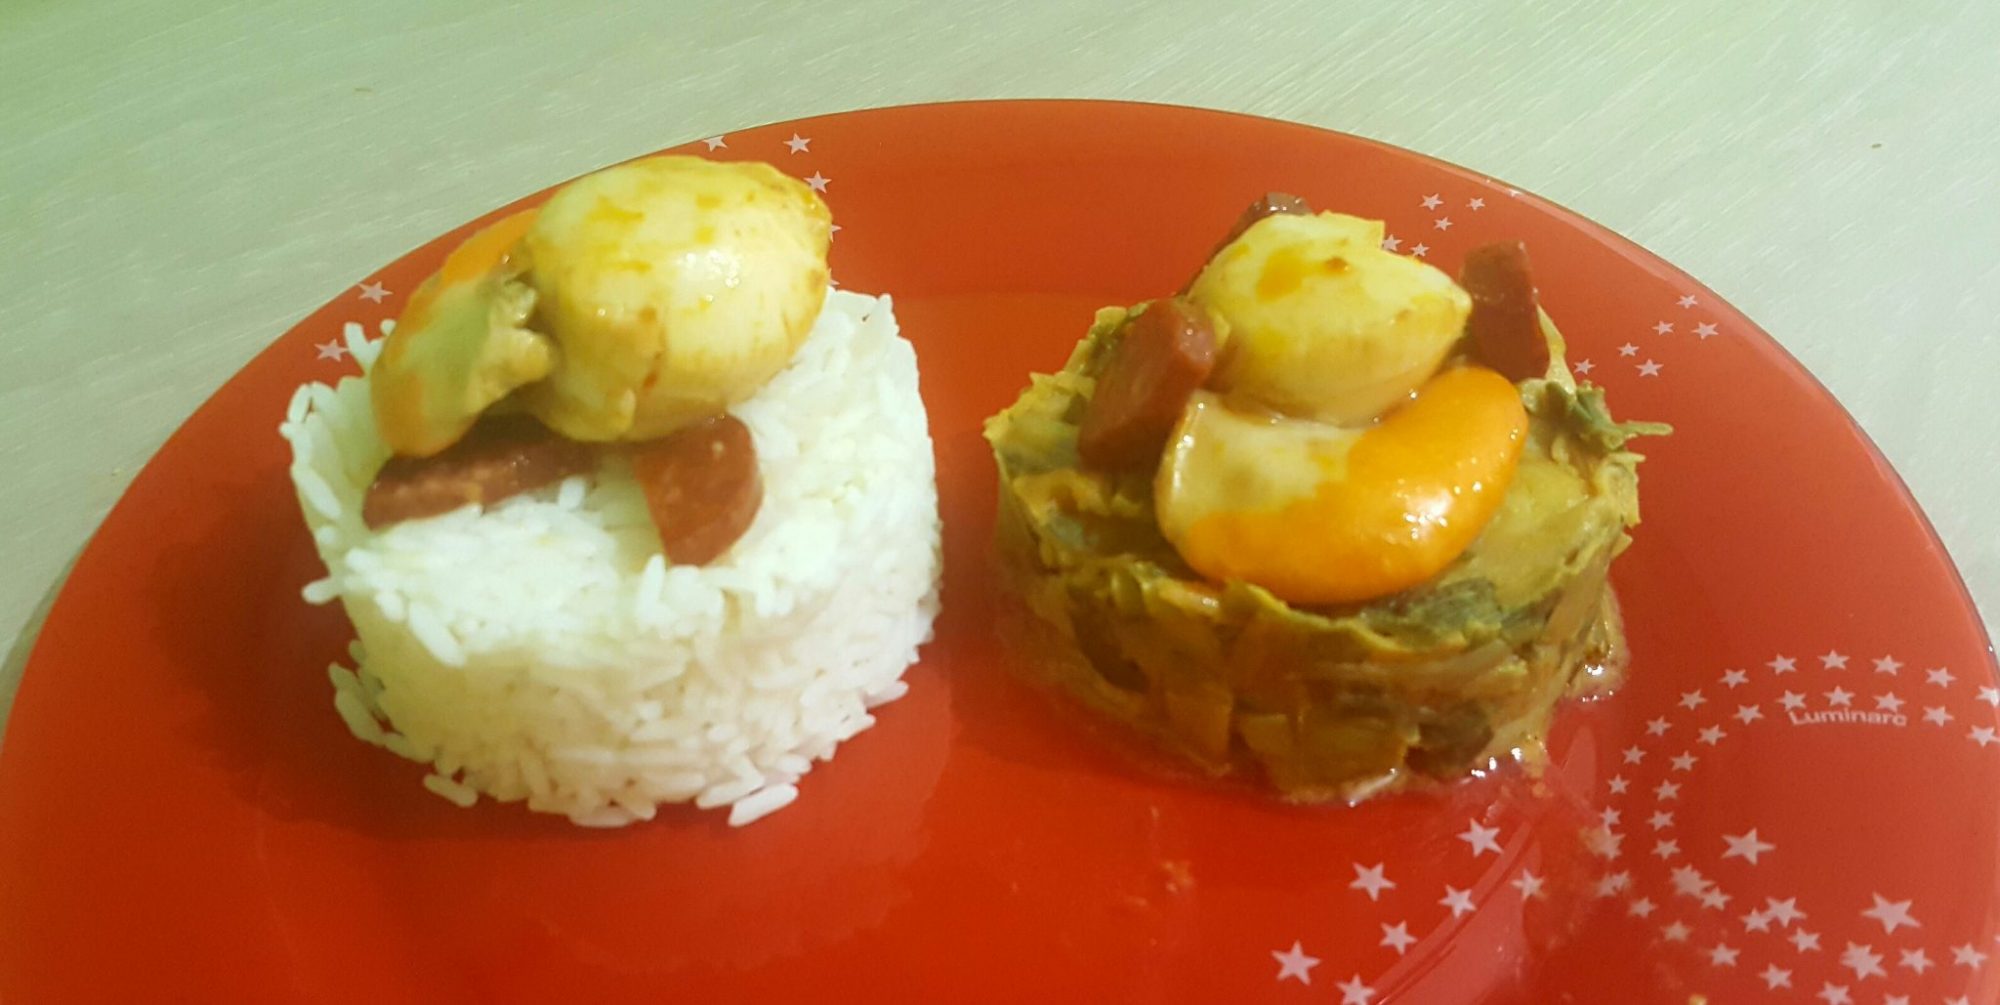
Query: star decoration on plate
x,y
1628,349
1663,328
1792,700
1643,907
331,349
1990,695
1397,937
1939,676
1420,250
1734,678
1611,884
1294,962
1684,762
798,144
1529,884
1785,911
1936,715
374,293
1747,714
1917,960
1895,1000
1863,960
1657,726
1371,881
1391,243
1840,696
1617,784
1609,818
818,181
1723,955
1691,700
1676,932
1634,755
1756,921
1892,914
1442,223
1982,735
1662,820
1432,201
1805,941
1354,992
1833,660
1584,366
1686,301
1649,369
1776,977
1667,790
1605,843
1460,901
1965,955
1482,839
716,143
1888,665
1475,204
1889,703
1715,900
1783,664
1746,846
1712,735
1704,330
1834,994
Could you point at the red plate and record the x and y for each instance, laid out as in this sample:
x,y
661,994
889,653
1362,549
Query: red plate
x,y
1793,793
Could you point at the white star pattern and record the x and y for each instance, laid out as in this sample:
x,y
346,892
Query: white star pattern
x,y
1833,660
1834,994
1397,937
1460,901
1692,700
1688,880
1354,992
1686,302
1747,714
1656,727
1442,223
1640,908
1529,884
1960,1000
1704,330
1723,955
1584,366
1776,977
1982,735
1612,883
1371,880
1939,676
1663,328
1618,785
1420,249
1662,820
1965,955
1917,960
1805,941
798,143
1863,960
1715,900
715,142
1895,1000
1666,848
1792,700
1294,962
1609,817
1432,201
1785,911
1712,735
818,181
1475,204
1391,243
1888,665
1734,678
1628,349
1783,664
1482,839
1676,932
1889,703
1684,762
1667,790
1634,755
1840,696
1756,921
1936,714
1891,913
1990,695
373,292
833,229
331,349
1746,846
1604,842
1649,369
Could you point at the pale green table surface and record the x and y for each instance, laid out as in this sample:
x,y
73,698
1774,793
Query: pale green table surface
x,y
181,181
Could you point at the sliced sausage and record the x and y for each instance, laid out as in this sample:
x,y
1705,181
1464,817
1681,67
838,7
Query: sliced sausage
x,y
1268,204
1505,327
1165,355
500,457
702,487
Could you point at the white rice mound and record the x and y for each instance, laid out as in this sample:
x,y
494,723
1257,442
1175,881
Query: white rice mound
x,y
543,650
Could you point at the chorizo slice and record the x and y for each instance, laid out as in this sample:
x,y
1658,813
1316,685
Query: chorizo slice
x,y
1165,355
702,487
1505,325
500,457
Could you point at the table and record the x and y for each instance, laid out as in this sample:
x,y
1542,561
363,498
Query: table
x,y
181,182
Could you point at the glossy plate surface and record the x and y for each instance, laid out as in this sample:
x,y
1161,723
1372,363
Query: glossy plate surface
x,y
1794,793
